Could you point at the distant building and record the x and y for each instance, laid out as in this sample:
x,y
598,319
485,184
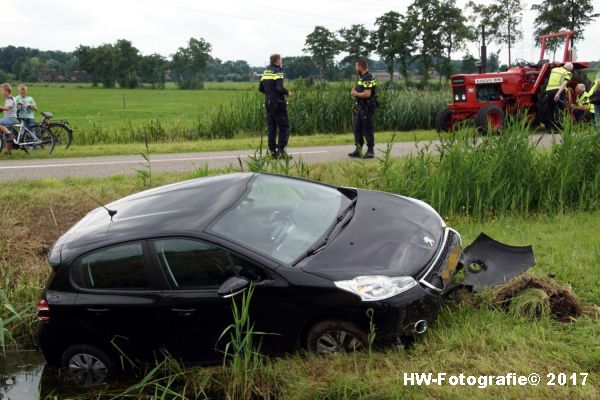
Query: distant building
x,y
52,75
79,76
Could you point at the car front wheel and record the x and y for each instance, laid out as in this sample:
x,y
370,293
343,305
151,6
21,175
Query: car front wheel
x,y
332,336
88,365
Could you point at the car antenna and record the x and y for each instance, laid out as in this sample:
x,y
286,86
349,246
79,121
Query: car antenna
x,y
110,212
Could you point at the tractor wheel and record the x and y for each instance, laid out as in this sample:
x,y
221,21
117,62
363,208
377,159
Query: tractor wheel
x,y
489,119
580,77
443,120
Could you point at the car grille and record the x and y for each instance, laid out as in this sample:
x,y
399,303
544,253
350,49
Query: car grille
x,y
432,278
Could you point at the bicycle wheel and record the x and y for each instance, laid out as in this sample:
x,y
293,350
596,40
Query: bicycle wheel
x,y
62,133
47,139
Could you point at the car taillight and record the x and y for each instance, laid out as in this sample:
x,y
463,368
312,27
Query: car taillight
x,y
43,311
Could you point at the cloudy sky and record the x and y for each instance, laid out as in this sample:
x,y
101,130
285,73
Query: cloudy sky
x,y
237,29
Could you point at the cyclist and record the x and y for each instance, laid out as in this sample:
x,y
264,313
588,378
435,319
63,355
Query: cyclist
x,y
10,115
26,107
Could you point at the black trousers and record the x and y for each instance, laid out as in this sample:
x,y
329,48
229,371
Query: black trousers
x,y
363,128
554,109
278,126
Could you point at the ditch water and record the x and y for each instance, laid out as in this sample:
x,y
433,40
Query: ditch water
x,y
24,376
20,374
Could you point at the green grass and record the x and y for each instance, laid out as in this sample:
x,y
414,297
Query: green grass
x,y
238,143
86,108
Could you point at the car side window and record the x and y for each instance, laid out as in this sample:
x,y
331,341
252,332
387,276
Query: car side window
x,y
116,268
192,264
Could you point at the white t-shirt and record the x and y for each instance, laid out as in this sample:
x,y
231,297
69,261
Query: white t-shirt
x,y
12,113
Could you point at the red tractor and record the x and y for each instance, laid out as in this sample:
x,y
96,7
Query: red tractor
x,y
489,97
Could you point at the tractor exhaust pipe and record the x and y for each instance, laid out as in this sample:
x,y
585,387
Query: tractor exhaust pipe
x,y
483,52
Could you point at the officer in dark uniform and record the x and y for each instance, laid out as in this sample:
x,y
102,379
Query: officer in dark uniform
x,y
271,84
365,93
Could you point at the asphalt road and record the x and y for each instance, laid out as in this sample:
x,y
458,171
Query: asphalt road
x,y
183,162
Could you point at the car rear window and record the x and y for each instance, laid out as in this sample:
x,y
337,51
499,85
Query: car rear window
x,y
117,268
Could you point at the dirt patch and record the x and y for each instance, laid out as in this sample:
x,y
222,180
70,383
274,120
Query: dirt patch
x,y
30,233
533,296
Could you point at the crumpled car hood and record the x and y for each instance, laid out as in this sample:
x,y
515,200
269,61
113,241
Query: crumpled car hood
x,y
388,235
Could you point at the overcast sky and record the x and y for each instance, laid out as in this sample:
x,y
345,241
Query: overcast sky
x,y
237,29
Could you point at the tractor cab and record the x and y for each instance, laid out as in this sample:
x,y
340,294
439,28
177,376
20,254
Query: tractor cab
x,y
487,98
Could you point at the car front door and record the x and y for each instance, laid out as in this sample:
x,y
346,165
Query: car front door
x,y
195,315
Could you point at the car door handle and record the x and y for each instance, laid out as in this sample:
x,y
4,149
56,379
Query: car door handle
x,y
184,312
98,310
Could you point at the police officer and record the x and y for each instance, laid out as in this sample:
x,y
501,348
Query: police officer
x,y
271,84
365,93
583,109
555,92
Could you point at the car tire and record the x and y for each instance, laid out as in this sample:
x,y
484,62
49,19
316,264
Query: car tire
x,y
443,120
489,119
334,336
87,364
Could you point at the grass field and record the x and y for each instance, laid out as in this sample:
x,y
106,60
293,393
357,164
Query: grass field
x,y
222,110
110,109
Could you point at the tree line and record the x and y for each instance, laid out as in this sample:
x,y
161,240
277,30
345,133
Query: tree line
x,y
123,64
430,31
418,42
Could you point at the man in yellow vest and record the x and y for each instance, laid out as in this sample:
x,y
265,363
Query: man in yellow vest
x,y
583,109
555,91
271,85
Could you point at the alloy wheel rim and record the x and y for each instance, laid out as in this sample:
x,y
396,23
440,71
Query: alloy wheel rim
x,y
87,368
338,341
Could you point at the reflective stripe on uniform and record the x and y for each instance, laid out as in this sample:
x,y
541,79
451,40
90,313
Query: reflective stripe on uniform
x,y
367,84
270,75
557,76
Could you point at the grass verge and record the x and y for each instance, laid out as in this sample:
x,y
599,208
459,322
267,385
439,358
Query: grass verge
x,y
241,142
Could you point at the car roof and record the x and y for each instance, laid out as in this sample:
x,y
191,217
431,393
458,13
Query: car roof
x,y
187,206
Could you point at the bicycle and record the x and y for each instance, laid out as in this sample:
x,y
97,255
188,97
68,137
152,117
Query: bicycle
x,y
24,138
60,130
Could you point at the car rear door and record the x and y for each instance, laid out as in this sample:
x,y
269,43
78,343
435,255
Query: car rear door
x,y
118,300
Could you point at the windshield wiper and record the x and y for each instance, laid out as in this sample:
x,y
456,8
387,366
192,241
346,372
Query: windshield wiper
x,y
317,247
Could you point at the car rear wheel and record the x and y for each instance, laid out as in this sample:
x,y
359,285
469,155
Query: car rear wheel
x,y
489,119
443,120
328,337
88,364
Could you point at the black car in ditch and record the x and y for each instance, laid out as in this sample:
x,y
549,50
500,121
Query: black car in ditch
x,y
158,271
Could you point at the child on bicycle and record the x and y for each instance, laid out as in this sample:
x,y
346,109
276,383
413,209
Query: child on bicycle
x,y
26,106
10,115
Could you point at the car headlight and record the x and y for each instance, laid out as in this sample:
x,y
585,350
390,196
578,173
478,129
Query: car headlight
x,y
373,288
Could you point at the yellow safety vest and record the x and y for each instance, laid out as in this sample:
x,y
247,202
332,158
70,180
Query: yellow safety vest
x,y
557,76
584,100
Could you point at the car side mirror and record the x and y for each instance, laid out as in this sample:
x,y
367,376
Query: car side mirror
x,y
233,286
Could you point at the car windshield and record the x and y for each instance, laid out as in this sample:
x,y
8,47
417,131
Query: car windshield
x,y
281,217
